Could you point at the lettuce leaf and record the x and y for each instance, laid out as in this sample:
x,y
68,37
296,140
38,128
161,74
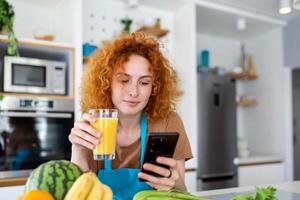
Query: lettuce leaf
x,y
265,193
268,193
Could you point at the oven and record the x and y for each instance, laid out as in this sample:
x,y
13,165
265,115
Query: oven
x,y
33,131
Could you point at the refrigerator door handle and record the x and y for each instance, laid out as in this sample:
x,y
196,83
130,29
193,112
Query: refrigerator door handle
x,y
219,176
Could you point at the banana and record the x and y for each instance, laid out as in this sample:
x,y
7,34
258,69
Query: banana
x,y
80,189
88,187
107,195
96,191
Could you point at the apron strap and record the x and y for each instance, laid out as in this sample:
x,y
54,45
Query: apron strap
x,y
144,127
107,164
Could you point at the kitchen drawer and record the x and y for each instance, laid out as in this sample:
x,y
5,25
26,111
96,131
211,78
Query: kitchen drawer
x,y
260,174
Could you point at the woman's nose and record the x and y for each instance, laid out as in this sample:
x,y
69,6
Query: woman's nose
x,y
133,90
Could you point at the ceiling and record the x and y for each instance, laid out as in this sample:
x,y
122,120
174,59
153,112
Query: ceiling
x,y
219,17
265,7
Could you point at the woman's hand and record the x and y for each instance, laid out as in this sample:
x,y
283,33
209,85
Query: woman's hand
x,y
83,134
171,178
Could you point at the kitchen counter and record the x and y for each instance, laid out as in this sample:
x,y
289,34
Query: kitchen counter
x,y
11,193
12,181
285,191
13,178
257,160
20,177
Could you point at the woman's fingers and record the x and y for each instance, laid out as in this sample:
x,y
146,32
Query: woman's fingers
x,y
87,128
160,187
157,180
83,138
161,170
89,118
157,169
171,162
77,140
84,134
169,176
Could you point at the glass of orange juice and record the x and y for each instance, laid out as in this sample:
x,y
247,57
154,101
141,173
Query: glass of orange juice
x,y
106,123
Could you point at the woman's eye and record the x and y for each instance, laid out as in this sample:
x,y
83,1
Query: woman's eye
x,y
124,80
145,83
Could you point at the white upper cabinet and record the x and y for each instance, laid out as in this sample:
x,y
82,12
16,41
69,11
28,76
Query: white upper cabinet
x,y
48,17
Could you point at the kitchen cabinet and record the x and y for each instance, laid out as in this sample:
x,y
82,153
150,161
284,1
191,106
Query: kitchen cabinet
x,y
11,192
291,43
260,174
191,180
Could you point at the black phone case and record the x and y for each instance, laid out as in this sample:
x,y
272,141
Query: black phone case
x,y
159,144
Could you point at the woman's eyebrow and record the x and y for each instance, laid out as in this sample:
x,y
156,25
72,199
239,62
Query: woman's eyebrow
x,y
146,76
124,74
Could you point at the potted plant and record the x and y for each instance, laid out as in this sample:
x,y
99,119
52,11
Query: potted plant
x,y
7,15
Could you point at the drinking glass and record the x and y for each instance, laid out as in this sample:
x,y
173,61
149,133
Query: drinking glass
x,y
106,123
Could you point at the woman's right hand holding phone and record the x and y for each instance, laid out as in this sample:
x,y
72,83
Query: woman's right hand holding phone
x,y
83,134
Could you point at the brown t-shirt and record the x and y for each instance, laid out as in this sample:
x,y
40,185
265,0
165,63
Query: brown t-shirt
x,y
129,157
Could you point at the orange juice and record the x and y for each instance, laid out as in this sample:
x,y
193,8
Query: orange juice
x,y
108,129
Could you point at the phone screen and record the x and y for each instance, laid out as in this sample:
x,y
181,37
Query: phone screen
x,y
159,144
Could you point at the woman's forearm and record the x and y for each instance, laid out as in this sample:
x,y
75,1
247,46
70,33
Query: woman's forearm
x,y
180,183
79,157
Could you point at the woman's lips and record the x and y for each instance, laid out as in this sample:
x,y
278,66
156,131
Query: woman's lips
x,y
131,103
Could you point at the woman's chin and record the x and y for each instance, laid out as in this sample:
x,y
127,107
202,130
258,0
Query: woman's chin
x,y
130,111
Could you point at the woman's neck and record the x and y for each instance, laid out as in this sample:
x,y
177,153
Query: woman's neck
x,y
128,129
127,123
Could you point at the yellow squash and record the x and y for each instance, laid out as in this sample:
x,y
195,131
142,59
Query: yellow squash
x,y
88,187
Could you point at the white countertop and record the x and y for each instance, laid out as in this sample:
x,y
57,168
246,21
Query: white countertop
x,y
287,186
256,160
10,193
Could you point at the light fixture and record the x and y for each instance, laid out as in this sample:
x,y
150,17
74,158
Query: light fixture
x,y
241,24
296,4
285,7
133,3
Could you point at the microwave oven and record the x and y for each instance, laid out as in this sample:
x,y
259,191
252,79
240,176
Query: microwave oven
x,y
34,76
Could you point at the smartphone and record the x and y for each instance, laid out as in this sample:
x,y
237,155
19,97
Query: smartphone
x,y
159,144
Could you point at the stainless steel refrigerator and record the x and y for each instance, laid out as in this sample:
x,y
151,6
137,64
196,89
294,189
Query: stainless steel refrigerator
x,y
217,137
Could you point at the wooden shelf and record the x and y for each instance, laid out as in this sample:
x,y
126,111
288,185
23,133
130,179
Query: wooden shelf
x,y
13,181
247,103
241,76
41,43
85,59
151,30
37,96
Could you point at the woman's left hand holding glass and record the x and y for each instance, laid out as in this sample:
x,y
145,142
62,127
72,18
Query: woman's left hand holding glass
x,y
169,176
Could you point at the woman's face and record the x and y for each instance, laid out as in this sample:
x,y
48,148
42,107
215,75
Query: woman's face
x,y
132,85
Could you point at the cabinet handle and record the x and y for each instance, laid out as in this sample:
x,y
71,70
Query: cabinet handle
x,y
35,114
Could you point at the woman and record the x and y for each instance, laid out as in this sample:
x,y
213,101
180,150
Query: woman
x,y
131,75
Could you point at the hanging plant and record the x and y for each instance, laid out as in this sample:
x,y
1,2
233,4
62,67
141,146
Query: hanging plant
x,y
1,98
7,16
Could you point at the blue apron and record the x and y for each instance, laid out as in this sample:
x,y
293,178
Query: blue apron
x,y
125,182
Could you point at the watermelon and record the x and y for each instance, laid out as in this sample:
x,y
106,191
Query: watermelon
x,y
55,177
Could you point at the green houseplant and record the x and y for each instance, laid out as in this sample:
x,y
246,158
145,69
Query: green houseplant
x,y
7,15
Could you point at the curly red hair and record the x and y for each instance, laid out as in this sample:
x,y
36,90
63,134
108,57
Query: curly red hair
x,y
97,76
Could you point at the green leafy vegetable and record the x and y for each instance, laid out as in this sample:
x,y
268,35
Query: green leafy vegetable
x,y
242,197
261,194
265,193
7,16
